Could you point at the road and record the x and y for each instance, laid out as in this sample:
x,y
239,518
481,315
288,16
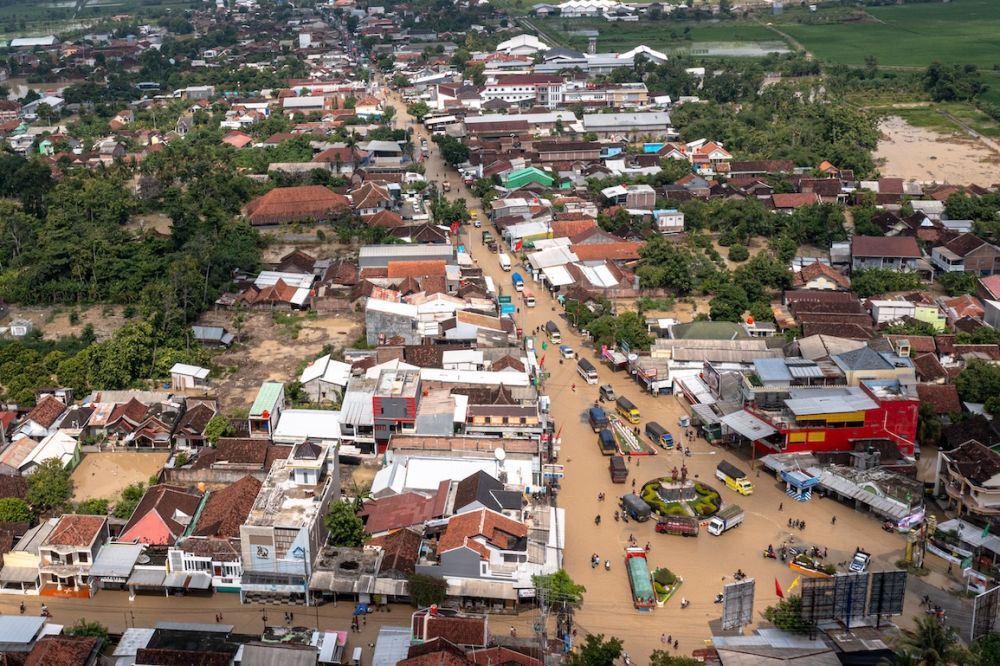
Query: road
x,y
706,562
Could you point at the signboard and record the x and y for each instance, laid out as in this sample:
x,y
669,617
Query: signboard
x,y
508,308
888,590
553,471
850,596
503,299
712,378
737,604
818,600
984,614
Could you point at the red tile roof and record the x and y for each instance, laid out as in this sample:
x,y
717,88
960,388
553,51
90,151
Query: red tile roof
x,y
498,530
385,219
396,511
75,530
402,549
169,502
817,270
63,651
991,284
458,630
47,411
404,269
965,306
570,228
919,344
227,509
794,199
290,204
623,251
943,397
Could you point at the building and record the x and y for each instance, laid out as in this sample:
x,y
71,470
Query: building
x,y
266,409
970,476
183,376
67,553
967,253
668,221
162,516
325,379
394,403
284,532
306,203
865,364
897,253
527,90
648,125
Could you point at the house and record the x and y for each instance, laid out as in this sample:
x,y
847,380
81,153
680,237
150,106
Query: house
x,y
212,336
384,515
266,409
898,253
115,563
482,491
970,476
668,221
237,139
183,376
42,420
67,553
787,203
866,364
190,430
967,253
465,630
988,288
820,276
325,379
65,651
649,124
305,203
162,516
57,446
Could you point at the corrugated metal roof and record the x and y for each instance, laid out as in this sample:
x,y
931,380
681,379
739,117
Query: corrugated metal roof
x,y
20,628
747,425
772,370
829,401
267,397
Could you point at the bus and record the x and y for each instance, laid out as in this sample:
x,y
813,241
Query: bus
x,y
587,371
625,407
529,298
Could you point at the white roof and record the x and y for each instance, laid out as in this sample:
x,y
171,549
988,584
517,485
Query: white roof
x,y
452,356
553,256
558,276
375,371
427,473
327,369
47,40
521,41
302,102
526,229
189,370
480,377
532,118
57,445
625,121
299,424
614,191
599,276
642,49
302,283
403,309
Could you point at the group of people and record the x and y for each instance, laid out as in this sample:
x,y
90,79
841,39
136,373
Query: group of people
x,y
669,640
357,623
796,523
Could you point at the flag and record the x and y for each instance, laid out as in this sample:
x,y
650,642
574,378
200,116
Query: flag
x,y
454,227
541,361
986,530
777,588
794,583
518,244
559,434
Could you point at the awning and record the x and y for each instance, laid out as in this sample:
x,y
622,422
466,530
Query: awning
x,y
147,578
483,589
746,424
705,414
391,586
195,580
18,575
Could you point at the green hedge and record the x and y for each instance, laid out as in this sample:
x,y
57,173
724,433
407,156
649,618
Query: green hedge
x,y
664,577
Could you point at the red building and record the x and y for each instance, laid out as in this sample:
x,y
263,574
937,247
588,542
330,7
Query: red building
x,y
394,404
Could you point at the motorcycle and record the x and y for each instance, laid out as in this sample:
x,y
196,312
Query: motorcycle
x,y
769,553
685,603
888,526
718,599
616,517
739,575
594,561
607,565
597,520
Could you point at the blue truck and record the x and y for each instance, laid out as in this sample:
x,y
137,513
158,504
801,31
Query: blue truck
x,y
517,280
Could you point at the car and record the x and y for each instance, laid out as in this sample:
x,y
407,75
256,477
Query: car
x,y
860,561
566,351
608,392
477,224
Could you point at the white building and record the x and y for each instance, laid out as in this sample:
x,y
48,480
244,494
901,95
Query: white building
x,y
183,376
522,45
325,379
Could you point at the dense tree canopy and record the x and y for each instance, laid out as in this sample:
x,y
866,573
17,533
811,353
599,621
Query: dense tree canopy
x,y
49,487
345,528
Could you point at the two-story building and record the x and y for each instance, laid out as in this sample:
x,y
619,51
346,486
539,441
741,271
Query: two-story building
x,y
897,253
967,253
67,553
266,409
970,477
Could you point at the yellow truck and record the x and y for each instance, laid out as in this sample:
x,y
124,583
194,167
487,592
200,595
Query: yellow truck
x,y
734,477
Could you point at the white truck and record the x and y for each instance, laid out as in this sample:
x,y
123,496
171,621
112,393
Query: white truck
x,y
726,519
504,262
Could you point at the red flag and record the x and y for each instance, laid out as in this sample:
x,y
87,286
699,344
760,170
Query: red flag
x,y
454,227
777,588
518,244
559,434
541,362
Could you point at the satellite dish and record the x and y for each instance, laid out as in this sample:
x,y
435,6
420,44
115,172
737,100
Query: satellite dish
x,y
499,454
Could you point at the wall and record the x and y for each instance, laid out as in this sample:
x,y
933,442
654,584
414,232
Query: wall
x,y
211,477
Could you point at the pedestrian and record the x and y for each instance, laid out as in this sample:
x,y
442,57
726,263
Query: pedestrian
x,y
949,568
781,506
633,484
833,521
663,638
676,643
364,620
637,461
513,632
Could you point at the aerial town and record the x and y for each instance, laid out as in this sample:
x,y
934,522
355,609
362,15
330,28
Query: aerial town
x,y
473,332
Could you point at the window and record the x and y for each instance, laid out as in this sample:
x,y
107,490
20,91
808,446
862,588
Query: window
x,y
82,557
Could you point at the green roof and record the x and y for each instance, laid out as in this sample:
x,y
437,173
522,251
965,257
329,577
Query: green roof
x,y
709,330
267,396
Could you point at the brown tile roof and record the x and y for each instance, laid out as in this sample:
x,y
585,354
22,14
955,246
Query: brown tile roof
x,y
404,269
164,657
849,331
402,549
13,486
919,344
945,344
991,284
75,530
224,550
396,511
942,397
507,361
237,450
342,272
460,630
289,204
965,306
501,655
63,651
762,166
133,411
817,270
369,195
385,219
195,419
47,411
885,246
276,453
977,428
975,461
623,251
296,261
929,368
825,187
498,530
168,502
794,199
964,244
227,509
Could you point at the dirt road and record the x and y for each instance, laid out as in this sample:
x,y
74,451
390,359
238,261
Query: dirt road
x,y
706,562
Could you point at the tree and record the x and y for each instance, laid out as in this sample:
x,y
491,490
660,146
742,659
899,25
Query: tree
x,y
787,615
218,426
596,651
93,507
929,426
628,327
426,590
418,110
946,83
987,650
346,529
661,658
877,281
738,252
979,381
958,283
558,588
729,303
130,498
49,487
84,628
453,151
14,510
388,113
933,644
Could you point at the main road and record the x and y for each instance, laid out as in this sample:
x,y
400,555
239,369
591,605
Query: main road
x,y
706,562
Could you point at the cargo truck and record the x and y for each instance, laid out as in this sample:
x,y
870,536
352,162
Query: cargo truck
x,y
598,419
517,281
726,519
606,440
504,261
635,507
734,477
627,409
678,525
618,469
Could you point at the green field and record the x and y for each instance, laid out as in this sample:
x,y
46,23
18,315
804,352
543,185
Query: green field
x,y
663,35
39,17
960,31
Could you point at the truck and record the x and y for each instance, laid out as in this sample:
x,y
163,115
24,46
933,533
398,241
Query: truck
x,y
587,370
678,525
659,435
860,560
734,477
726,519
635,507
606,440
529,298
504,261
598,418
553,331
618,469
517,281
627,409
487,238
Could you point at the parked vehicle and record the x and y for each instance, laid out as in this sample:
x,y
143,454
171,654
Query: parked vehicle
x,y
618,469
860,560
517,281
607,392
553,331
598,418
678,525
659,435
627,409
529,298
726,519
446,186
587,370
606,440
684,421
504,261
487,238
566,351
734,478
635,507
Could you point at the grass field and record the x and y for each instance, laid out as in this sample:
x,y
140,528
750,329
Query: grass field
x,y
960,31
665,35
39,17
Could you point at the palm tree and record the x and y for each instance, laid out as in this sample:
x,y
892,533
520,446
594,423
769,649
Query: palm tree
x,y
360,493
932,644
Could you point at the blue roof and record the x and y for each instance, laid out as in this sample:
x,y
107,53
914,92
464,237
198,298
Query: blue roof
x,y
772,370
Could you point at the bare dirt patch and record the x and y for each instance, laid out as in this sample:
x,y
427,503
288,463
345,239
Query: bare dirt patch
x,y
269,351
105,475
915,153
158,222
55,322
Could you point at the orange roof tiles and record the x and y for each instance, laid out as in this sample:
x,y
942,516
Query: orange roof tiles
x,y
498,530
623,251
404,269
289,204
75,530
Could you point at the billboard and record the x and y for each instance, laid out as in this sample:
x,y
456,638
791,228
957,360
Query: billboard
x,y
984,613
850,596
737,604
712,378
818,596
888,590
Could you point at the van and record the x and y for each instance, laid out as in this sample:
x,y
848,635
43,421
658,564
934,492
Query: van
x,y
553,331
628,410
587,371
635,507
607,392
618,469
355,657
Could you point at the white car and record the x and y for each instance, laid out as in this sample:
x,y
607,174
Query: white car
x,y
477,223
566,351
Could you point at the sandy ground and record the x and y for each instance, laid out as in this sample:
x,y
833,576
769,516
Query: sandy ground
x,y
914,153
54,320
267,351
158,222
105,475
